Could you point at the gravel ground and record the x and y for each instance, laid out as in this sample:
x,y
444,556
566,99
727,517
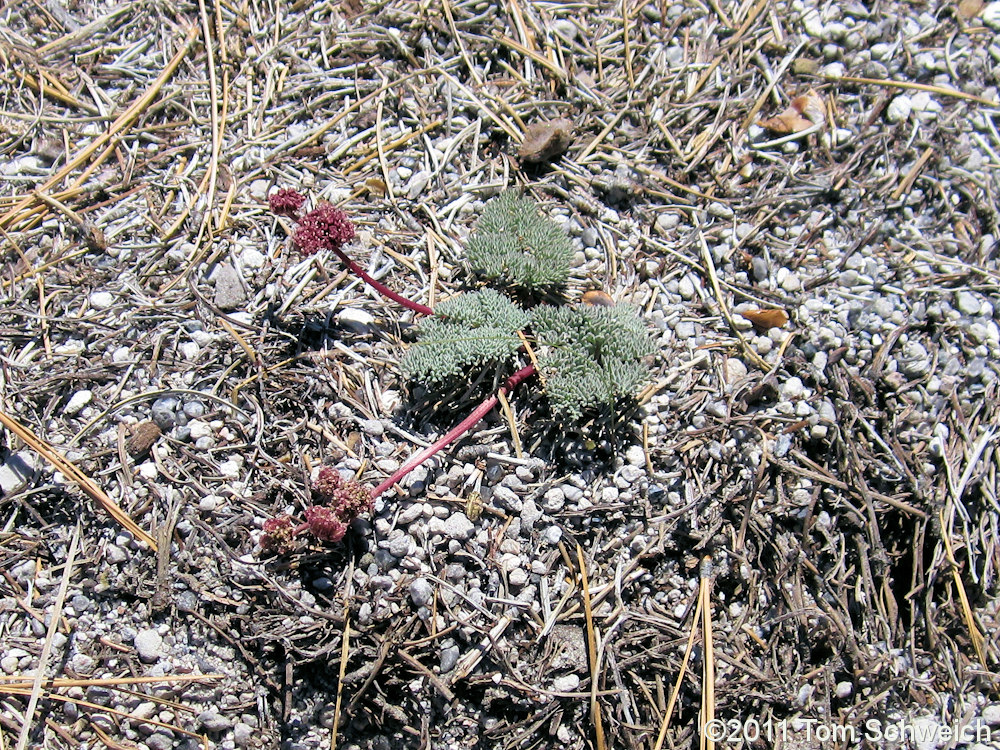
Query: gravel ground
x,y
808,484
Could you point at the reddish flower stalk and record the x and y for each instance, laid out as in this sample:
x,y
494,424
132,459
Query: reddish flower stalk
x,y
328,228
381,288
457,431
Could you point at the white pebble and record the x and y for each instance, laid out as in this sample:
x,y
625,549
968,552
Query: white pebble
x,y
355,319
792,389
899,109
148,470
121,354
923,102
199,429
71,347
258,189
991,16
102,300
78,400
252,258
190,350
148,644
566,683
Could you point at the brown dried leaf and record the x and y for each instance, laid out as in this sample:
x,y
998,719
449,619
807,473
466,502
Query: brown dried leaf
x,y
545,140
803,112
597,298
142,439
376,187
970,8
764,320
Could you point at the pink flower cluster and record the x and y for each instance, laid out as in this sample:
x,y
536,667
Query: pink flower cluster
x,y
339,501
323,228
286,202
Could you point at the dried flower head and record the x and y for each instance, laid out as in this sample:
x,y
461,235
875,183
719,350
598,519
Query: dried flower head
x,y
278,532
325,524
347,498
323,228
286,202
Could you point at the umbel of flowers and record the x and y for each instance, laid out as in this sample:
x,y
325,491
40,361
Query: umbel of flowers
x,y
590,358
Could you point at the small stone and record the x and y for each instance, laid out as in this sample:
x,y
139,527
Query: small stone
x,y
991,714
844,690
77,401
83,664
258,189
759,266
449,658
189,350
552,535
922,101
199,429
213,721
372,427
566,683
685,287
417,184
115,554
530,513
209,503
194,409
967,303
420,592
402,545
160,741
735,370
356,320
565,28
990,16
518,577
242,734
635,455
16,470
792,389
667,221
684,330
899,109
9,664
163,412
458,526
410,514
187,601
252,258
70,348
102,300
721,211
229,291
791,283
148,644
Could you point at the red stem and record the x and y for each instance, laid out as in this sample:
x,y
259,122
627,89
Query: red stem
x,y
457,431
381,288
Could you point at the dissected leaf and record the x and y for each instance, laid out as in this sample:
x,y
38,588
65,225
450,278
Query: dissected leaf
x,y
803,112
545,140
764,320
